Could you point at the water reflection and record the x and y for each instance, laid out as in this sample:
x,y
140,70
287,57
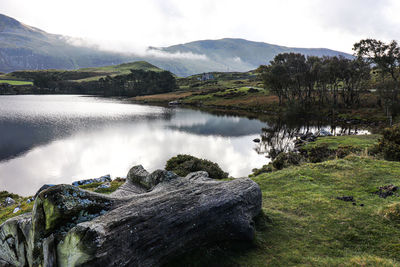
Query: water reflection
x,y
59,139
278,137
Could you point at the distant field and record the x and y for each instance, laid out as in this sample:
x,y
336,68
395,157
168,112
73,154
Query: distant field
x,y
12,82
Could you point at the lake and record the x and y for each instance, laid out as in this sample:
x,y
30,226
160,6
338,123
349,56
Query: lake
x,y
63,138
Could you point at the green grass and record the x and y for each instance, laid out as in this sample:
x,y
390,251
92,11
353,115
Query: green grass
x,y
115,184
7,212
305,225
359,142
12,82
120,69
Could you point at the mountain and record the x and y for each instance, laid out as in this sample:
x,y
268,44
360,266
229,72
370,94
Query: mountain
x,y
242,55
25,47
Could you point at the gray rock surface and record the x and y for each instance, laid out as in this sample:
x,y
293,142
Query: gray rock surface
x,y
147,221
8,202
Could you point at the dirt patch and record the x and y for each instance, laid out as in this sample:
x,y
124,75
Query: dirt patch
x,y
346,198
387,191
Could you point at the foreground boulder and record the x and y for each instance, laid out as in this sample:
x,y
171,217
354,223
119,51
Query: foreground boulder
x,y
147,221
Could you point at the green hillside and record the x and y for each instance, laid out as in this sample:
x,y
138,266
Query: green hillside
x,y
84,74
120,69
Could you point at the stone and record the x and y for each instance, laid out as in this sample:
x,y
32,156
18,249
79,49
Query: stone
x,y
8,202
44,187
17,209
103,186
149,220
257,140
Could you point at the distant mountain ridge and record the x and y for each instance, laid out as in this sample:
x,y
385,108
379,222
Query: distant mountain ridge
x,y
25,47
244,54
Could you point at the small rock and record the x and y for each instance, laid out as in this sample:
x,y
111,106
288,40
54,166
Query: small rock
x,y
9,201
103,186
17,209
257,140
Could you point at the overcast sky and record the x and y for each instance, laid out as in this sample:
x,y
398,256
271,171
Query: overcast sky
x,y
132,24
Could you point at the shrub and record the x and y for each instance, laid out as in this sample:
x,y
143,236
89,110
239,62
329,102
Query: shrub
x,y
389,144
182,165
319,153
264,169
343,151
284,160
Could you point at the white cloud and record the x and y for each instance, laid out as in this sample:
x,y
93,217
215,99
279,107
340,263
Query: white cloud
x,y
134,25
177,55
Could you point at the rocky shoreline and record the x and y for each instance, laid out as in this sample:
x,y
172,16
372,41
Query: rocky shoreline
x,y
150,219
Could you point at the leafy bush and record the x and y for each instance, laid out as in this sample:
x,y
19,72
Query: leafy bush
x,y
319,153
182,165
343,150
264,169
284,160
389,144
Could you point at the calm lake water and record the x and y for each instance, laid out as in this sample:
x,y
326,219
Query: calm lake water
x,y
64,138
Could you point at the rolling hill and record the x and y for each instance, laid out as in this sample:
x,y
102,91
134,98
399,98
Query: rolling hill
x,y
23,47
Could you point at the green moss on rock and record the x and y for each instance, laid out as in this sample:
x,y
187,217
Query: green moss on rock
x,y
182,165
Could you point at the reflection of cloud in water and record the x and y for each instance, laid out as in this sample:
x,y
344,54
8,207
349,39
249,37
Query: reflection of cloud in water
x,y
217,125
114,150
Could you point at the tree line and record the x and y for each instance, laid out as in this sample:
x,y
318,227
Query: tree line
x,y
137,82
336,81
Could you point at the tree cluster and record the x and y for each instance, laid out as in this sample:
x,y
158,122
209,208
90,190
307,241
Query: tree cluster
x,y
337,81
384,58
309,81
138,82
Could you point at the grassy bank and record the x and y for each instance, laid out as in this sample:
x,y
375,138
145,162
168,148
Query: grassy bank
x,y
359,142
305,225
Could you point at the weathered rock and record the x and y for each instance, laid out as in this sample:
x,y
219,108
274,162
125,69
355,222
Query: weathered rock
x,y
44,187
8,202
150,219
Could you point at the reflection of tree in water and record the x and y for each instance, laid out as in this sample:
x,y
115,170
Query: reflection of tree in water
x,y
280,136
